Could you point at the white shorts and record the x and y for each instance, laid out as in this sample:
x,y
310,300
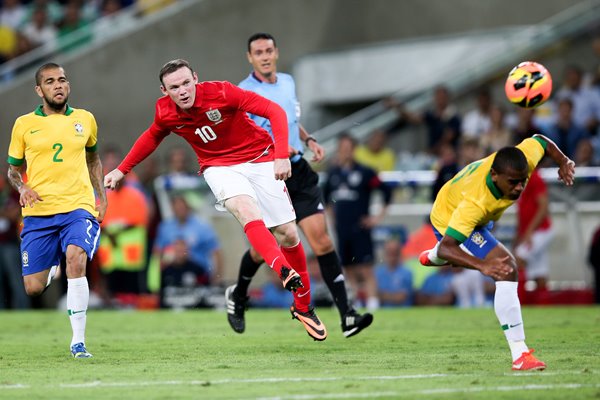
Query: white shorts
x,y
536,255
256,180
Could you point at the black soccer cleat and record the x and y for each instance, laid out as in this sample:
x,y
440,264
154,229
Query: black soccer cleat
x,y
235,310
290,279
353,322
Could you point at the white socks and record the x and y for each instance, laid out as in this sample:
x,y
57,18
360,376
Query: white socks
x,y
78,295
52,274
508,311
433,256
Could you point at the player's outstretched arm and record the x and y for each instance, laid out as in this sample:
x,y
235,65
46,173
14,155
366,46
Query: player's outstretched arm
x,y
95,170
28,196
112,179
566,166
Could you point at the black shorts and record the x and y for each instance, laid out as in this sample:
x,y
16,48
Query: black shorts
x,y
355,245
304,190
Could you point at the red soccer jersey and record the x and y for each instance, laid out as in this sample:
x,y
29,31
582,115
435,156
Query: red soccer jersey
x,y
217,127
527,203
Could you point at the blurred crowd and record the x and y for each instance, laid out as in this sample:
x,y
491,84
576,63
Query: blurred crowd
x,y
571,119
157,251
63,25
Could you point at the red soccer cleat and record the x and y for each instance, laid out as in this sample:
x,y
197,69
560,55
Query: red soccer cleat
x,y
424,260
528,362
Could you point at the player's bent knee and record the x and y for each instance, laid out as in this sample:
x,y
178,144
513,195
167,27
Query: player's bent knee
x,y
33,287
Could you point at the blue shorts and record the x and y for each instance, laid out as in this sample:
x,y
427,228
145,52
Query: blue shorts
x,y
45,239
479,243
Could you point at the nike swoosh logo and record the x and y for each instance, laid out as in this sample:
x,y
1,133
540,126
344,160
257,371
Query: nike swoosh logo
x,y
179,127
34,131
303,294
518,366
76,312
512,326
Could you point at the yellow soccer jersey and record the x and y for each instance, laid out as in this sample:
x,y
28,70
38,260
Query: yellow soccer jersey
x,y
470,199
54,147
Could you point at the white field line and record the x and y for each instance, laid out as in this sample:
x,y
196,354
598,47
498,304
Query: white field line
x,y
412,394
105,384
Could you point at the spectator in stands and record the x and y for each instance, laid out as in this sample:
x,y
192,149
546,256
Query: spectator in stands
x,y
348,192
12,14
566,132
442,121
469,151
534,231
594,260
10,257
9,43
182,280
53,9
112,20
376,153
468,287
478,120
73,30
449,163
447,167
394,279
584,100
200,237
147,7
39,31
498,135
525,125
587,153
437,289
122,249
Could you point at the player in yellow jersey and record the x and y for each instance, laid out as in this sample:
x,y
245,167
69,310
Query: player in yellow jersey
x,y
58,144
462,215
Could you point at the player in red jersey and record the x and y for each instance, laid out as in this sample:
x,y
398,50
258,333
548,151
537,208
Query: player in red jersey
x,y
242,165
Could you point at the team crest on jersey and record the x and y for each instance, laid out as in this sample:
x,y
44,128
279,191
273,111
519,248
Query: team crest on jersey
x,y
25,257
355,178
78,129
214,115
477,238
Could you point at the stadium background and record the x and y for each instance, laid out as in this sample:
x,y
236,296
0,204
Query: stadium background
x,y
116,78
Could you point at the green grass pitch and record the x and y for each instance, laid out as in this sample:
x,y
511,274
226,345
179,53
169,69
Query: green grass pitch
x,y
418,353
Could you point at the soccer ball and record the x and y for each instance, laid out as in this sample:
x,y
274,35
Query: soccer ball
x,y
528,85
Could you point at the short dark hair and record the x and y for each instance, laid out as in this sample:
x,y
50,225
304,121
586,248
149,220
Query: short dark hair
x,y
40,71
261,35
173,66
509,158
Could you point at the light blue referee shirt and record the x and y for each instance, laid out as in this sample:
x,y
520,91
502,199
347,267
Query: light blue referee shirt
x,y
282,92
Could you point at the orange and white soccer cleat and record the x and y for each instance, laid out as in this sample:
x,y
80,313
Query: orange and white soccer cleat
x,y
314,327
528,362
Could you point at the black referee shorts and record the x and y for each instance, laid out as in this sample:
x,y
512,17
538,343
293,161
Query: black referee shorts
x,y
304,190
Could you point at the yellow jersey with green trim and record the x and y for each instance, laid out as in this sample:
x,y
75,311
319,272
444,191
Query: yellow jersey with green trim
x,y
471,199
54,147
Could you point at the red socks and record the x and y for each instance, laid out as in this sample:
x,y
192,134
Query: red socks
x,y
297,258
265,244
